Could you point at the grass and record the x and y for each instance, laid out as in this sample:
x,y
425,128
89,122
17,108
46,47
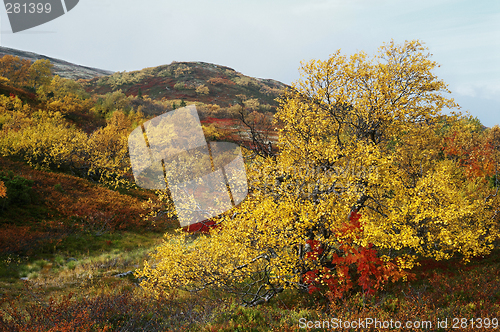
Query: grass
x,y
75,261
80,246
451,290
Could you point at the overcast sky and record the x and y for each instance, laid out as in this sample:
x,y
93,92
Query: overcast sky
x,y
269,38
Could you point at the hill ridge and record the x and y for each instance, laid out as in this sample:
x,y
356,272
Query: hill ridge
x,y
187,80
191,81
62,68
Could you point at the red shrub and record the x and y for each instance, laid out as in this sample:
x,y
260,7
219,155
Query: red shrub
x,y
371,273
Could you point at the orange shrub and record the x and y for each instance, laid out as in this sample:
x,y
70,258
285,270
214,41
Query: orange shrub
x,y
3,190
220,81
21,239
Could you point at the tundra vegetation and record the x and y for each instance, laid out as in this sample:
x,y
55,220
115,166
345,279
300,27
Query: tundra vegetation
x,y
370,195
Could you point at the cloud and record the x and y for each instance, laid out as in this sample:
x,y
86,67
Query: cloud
x,y
466,90
492,91
481,90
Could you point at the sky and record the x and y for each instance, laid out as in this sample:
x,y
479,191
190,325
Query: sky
x,y
269,38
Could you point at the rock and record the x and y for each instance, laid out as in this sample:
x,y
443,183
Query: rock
x,y
120,275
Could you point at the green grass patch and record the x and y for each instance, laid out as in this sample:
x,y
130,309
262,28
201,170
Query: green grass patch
x,y
126,248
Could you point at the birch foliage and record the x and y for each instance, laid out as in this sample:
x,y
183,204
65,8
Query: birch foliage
x,y
357,135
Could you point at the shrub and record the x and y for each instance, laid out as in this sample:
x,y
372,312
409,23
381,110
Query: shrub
x,y
58,187
116,310
19,190
46,140
202,90
180,86
219,81
3,190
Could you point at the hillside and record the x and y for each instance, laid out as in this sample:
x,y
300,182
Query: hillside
x,y
62,68
191,81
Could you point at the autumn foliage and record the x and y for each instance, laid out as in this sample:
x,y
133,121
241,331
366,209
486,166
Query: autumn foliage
x,y
476,150
119,310
218,81
46,135
15,69
46,139
67,204
3,190
23,73
358,178
357,266
360,188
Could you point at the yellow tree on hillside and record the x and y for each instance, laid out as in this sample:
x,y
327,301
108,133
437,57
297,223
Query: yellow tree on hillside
x,y
360,182
40,73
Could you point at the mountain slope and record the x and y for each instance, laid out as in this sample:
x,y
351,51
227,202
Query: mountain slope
x,y
191,81
62,68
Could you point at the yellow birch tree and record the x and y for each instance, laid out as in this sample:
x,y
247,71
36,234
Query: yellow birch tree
x,y
359,171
